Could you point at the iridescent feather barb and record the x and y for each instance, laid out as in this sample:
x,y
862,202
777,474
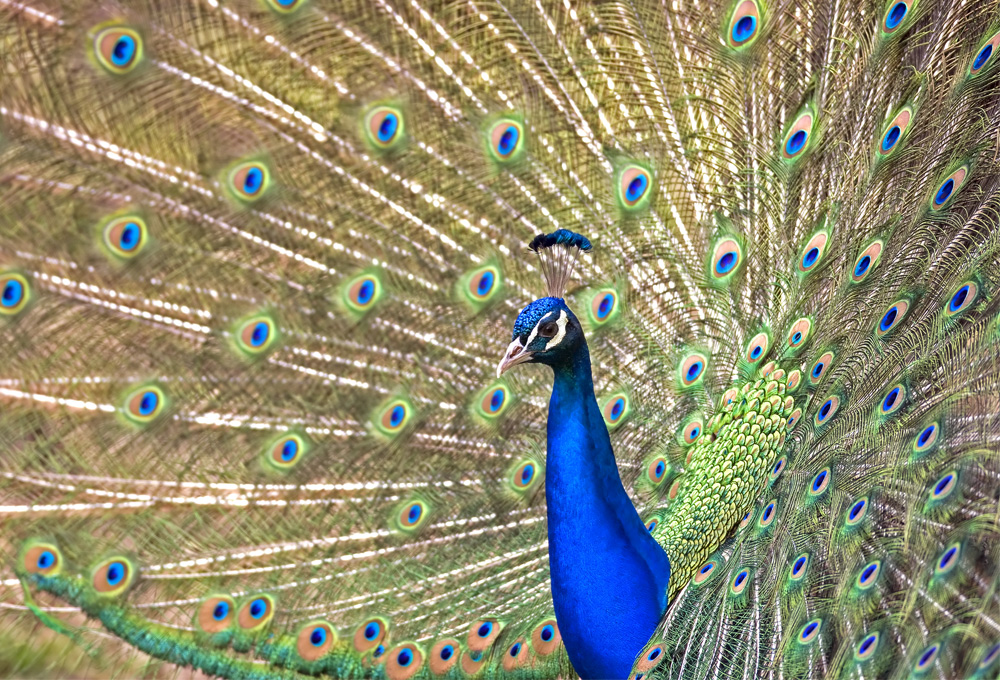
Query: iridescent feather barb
x,y
258,259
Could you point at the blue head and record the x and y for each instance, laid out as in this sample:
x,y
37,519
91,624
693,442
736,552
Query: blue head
x,y
546,332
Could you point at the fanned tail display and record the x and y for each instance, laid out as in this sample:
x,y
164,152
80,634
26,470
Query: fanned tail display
x,y
259,260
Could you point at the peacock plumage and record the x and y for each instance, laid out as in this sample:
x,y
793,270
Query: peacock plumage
x,y
259,260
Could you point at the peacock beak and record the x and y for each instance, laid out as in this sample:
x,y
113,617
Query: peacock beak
x,y
515,355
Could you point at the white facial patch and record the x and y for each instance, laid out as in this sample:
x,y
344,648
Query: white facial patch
x,y
558,337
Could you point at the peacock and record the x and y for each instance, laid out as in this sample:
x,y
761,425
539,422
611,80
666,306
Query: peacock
x,y
259,260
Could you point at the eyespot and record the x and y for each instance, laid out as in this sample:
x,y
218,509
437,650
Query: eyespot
x,y
634,184
757,347
866,648
493,401
826,412
545,638
893,315
216,613
256,335
797,137
481,635
799,333
524,475
820,482
285,452
705,572
744,25
947,189
927,658
746,519
691,431
506,139
113,577
285,6
868,575
14,293
255,613
820,368
657,470
603,305
948,559
810,631
517,655
793,418
384,127
767,517
472,662
985,55
813,252
649,658
412,515
125,237
118,49
798,570
404,661
893,399
483,283
652,524
866,261
739,583
857,512
443,655
144,404
963,297
616,409
249,181
41,558
944,486
794,378
894,16
362,293
369,635
895,131
394,417
778,468
926,439
726,258
692,368
314,640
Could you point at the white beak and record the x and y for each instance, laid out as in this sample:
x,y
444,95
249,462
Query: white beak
x,y
515,355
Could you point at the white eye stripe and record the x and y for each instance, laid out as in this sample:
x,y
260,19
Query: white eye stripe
x,y
558,337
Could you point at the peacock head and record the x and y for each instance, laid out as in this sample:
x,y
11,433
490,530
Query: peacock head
x,y
547,331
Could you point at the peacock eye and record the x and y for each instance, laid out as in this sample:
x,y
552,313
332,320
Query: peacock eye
x,y
547,330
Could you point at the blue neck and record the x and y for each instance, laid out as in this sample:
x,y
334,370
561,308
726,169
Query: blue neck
x,y
609,577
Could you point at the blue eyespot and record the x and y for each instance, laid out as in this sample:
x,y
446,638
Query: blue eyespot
x,y
617,408
755,352
372,630
115,573
387,128
958,299
812,254
46,559
253,181
261,331
258,608
744,28
660,468
868,574
636,188
123,51
895,15
944,192
515,649
317,637
795,144
548,632
944,485
365,292
379,651
693,370
485,629
824,411
818,480
867,645
857,510
606,305
740,578
221,611
508,141
446,652
890,139
13,292
414,513
527,473
947,558
652,525
654,654
289,450
485,283
726,263
129,237
148,402
888,319
982,57
404,658
927,656
809,628
817,369
799,565
862,266
890,399
925,436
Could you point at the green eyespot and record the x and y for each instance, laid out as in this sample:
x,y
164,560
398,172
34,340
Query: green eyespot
x,y
603,306
113,576
362,293
493,401
286,452
215,614
634,188
525,475
255,613
616,409
15,293
42,558
481,285
145,404
256,335
393,417
125,237
411,516
744,24
798,137
385,127
248,181
506,140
